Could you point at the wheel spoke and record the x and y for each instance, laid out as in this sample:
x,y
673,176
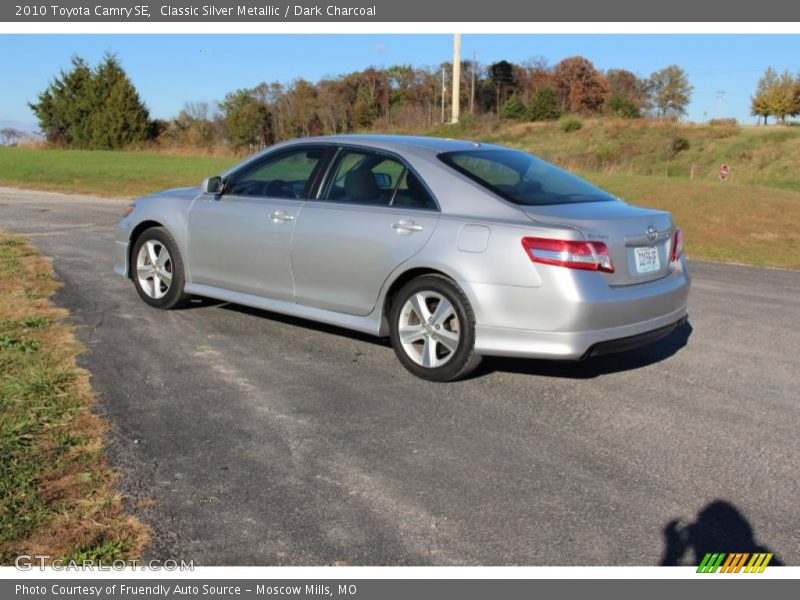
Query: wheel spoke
x,y
420,307
443,312
156,286
411,333
448,339
166,277
163,258
144,271
429,359
151,251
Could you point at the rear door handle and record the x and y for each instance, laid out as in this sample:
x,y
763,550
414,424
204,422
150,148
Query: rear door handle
x,y
406,227
281,216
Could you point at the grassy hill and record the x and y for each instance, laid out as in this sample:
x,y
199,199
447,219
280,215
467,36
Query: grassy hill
x,y
768,156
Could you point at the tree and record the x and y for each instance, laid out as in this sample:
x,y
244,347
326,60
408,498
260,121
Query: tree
x,y
623,107
513,108
503,79
247,120
65,104
783,98
10,136
117,117
87,108
625,84
760,101
671,91
579,86
543,106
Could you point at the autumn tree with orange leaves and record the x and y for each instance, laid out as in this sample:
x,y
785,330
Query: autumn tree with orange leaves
x,y
579,87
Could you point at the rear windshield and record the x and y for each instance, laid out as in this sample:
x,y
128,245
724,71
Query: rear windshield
x,y
522,178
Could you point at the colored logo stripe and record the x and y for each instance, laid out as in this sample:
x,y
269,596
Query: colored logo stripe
x,y
734,562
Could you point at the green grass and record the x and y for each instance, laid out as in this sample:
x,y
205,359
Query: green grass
x,y
57,494
102,172
722,221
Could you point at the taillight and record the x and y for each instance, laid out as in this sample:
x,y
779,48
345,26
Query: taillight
x,y
590,256
677,245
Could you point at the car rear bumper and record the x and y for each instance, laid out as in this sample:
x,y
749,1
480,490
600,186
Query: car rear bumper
x,y
576,318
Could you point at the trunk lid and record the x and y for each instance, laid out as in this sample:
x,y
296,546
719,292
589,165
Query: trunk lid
x,y
639,240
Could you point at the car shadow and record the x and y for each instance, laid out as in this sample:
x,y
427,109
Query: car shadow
x,y
588,369
718,527
595,366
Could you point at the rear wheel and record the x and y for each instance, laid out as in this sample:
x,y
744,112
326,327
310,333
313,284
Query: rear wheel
x,y
432,328
157,269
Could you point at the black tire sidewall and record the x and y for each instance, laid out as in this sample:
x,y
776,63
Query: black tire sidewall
x,y
175,295
453,368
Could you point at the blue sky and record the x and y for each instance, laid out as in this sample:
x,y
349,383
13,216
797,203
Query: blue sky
x,y
169,70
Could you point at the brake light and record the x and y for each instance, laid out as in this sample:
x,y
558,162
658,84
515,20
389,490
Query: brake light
x,y
677,245
589,256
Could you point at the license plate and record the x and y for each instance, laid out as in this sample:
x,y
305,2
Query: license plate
x,y
646,259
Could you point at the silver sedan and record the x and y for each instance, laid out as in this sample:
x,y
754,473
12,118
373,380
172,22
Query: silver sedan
x,y
454,249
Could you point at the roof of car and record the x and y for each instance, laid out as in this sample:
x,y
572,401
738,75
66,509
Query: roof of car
x,y
400,142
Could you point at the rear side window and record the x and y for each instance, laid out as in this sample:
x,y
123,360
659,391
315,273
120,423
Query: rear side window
x,y
522,178
364,177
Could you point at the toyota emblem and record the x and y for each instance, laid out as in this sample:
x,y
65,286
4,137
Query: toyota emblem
x,y
652,233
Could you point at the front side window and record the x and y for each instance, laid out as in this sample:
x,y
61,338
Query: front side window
x,y
364,177
285,176
522,178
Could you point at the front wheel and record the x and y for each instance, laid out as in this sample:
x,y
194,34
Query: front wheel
x,y
432,328
157,269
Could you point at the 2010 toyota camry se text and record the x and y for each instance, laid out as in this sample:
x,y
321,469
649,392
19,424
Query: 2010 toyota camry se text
x,y
454,249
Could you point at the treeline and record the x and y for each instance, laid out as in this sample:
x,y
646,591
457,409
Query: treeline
x,y
99,107
406,98
777,95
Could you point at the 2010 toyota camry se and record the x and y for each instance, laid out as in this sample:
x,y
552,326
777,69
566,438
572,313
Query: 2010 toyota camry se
x,y
454,249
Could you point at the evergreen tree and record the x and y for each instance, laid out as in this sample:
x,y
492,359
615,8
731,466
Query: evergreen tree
x,y
513,108
544,105
98,108
622,106
64,103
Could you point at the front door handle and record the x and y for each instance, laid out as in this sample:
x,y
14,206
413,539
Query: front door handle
x,y
281,216
406,227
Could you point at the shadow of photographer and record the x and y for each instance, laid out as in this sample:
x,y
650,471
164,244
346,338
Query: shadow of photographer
x,y
718,527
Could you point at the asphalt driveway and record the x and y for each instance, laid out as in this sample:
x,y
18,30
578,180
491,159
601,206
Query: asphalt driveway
x,y
251,438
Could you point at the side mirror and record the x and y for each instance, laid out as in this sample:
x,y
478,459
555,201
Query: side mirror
x,y
212,185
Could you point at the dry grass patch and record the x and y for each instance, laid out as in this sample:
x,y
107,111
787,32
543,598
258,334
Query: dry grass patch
x,y
57,492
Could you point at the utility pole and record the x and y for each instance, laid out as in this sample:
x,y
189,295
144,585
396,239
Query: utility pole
x,y
456,104
720,96
472,87
444,91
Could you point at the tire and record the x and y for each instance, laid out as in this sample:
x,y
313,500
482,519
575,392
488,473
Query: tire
x,y
161,287
443,347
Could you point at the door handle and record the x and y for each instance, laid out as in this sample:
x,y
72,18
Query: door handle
x,y
406,227
281,216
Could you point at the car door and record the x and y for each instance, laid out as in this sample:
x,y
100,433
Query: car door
x,y
371,214
241,240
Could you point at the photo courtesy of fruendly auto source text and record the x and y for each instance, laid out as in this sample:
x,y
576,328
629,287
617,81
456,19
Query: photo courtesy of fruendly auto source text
x,y
377,300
